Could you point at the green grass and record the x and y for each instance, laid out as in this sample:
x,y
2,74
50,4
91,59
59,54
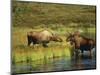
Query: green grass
x,y
34,14
21,52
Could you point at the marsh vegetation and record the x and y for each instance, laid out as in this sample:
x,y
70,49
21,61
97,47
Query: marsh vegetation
x,y
57,18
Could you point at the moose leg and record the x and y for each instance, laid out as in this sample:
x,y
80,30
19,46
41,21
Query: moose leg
x,y
45,44
29,40
82,53
90,54
76,53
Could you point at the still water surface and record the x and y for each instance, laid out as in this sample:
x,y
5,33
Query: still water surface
x,y
55,64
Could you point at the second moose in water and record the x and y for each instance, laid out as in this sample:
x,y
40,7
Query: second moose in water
x,y
81,43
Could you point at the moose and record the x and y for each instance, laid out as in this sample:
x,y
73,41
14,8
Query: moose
x,y
42,37
81,43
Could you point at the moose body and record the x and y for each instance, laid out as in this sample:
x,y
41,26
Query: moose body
x,y
42,37
81,43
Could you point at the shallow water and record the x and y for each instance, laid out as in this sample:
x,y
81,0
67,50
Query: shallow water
x,y
55,64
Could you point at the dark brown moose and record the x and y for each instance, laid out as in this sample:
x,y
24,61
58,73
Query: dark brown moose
x,y
81,43
42,37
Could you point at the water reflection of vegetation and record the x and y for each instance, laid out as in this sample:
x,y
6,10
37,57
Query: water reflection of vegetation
x,y
39,65
55,64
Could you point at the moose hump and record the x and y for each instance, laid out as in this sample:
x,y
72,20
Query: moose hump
x,y
45,35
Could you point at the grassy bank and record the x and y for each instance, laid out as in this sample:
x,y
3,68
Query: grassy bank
x,y
21,52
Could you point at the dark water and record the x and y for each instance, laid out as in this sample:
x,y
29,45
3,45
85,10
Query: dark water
x,y
56,64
